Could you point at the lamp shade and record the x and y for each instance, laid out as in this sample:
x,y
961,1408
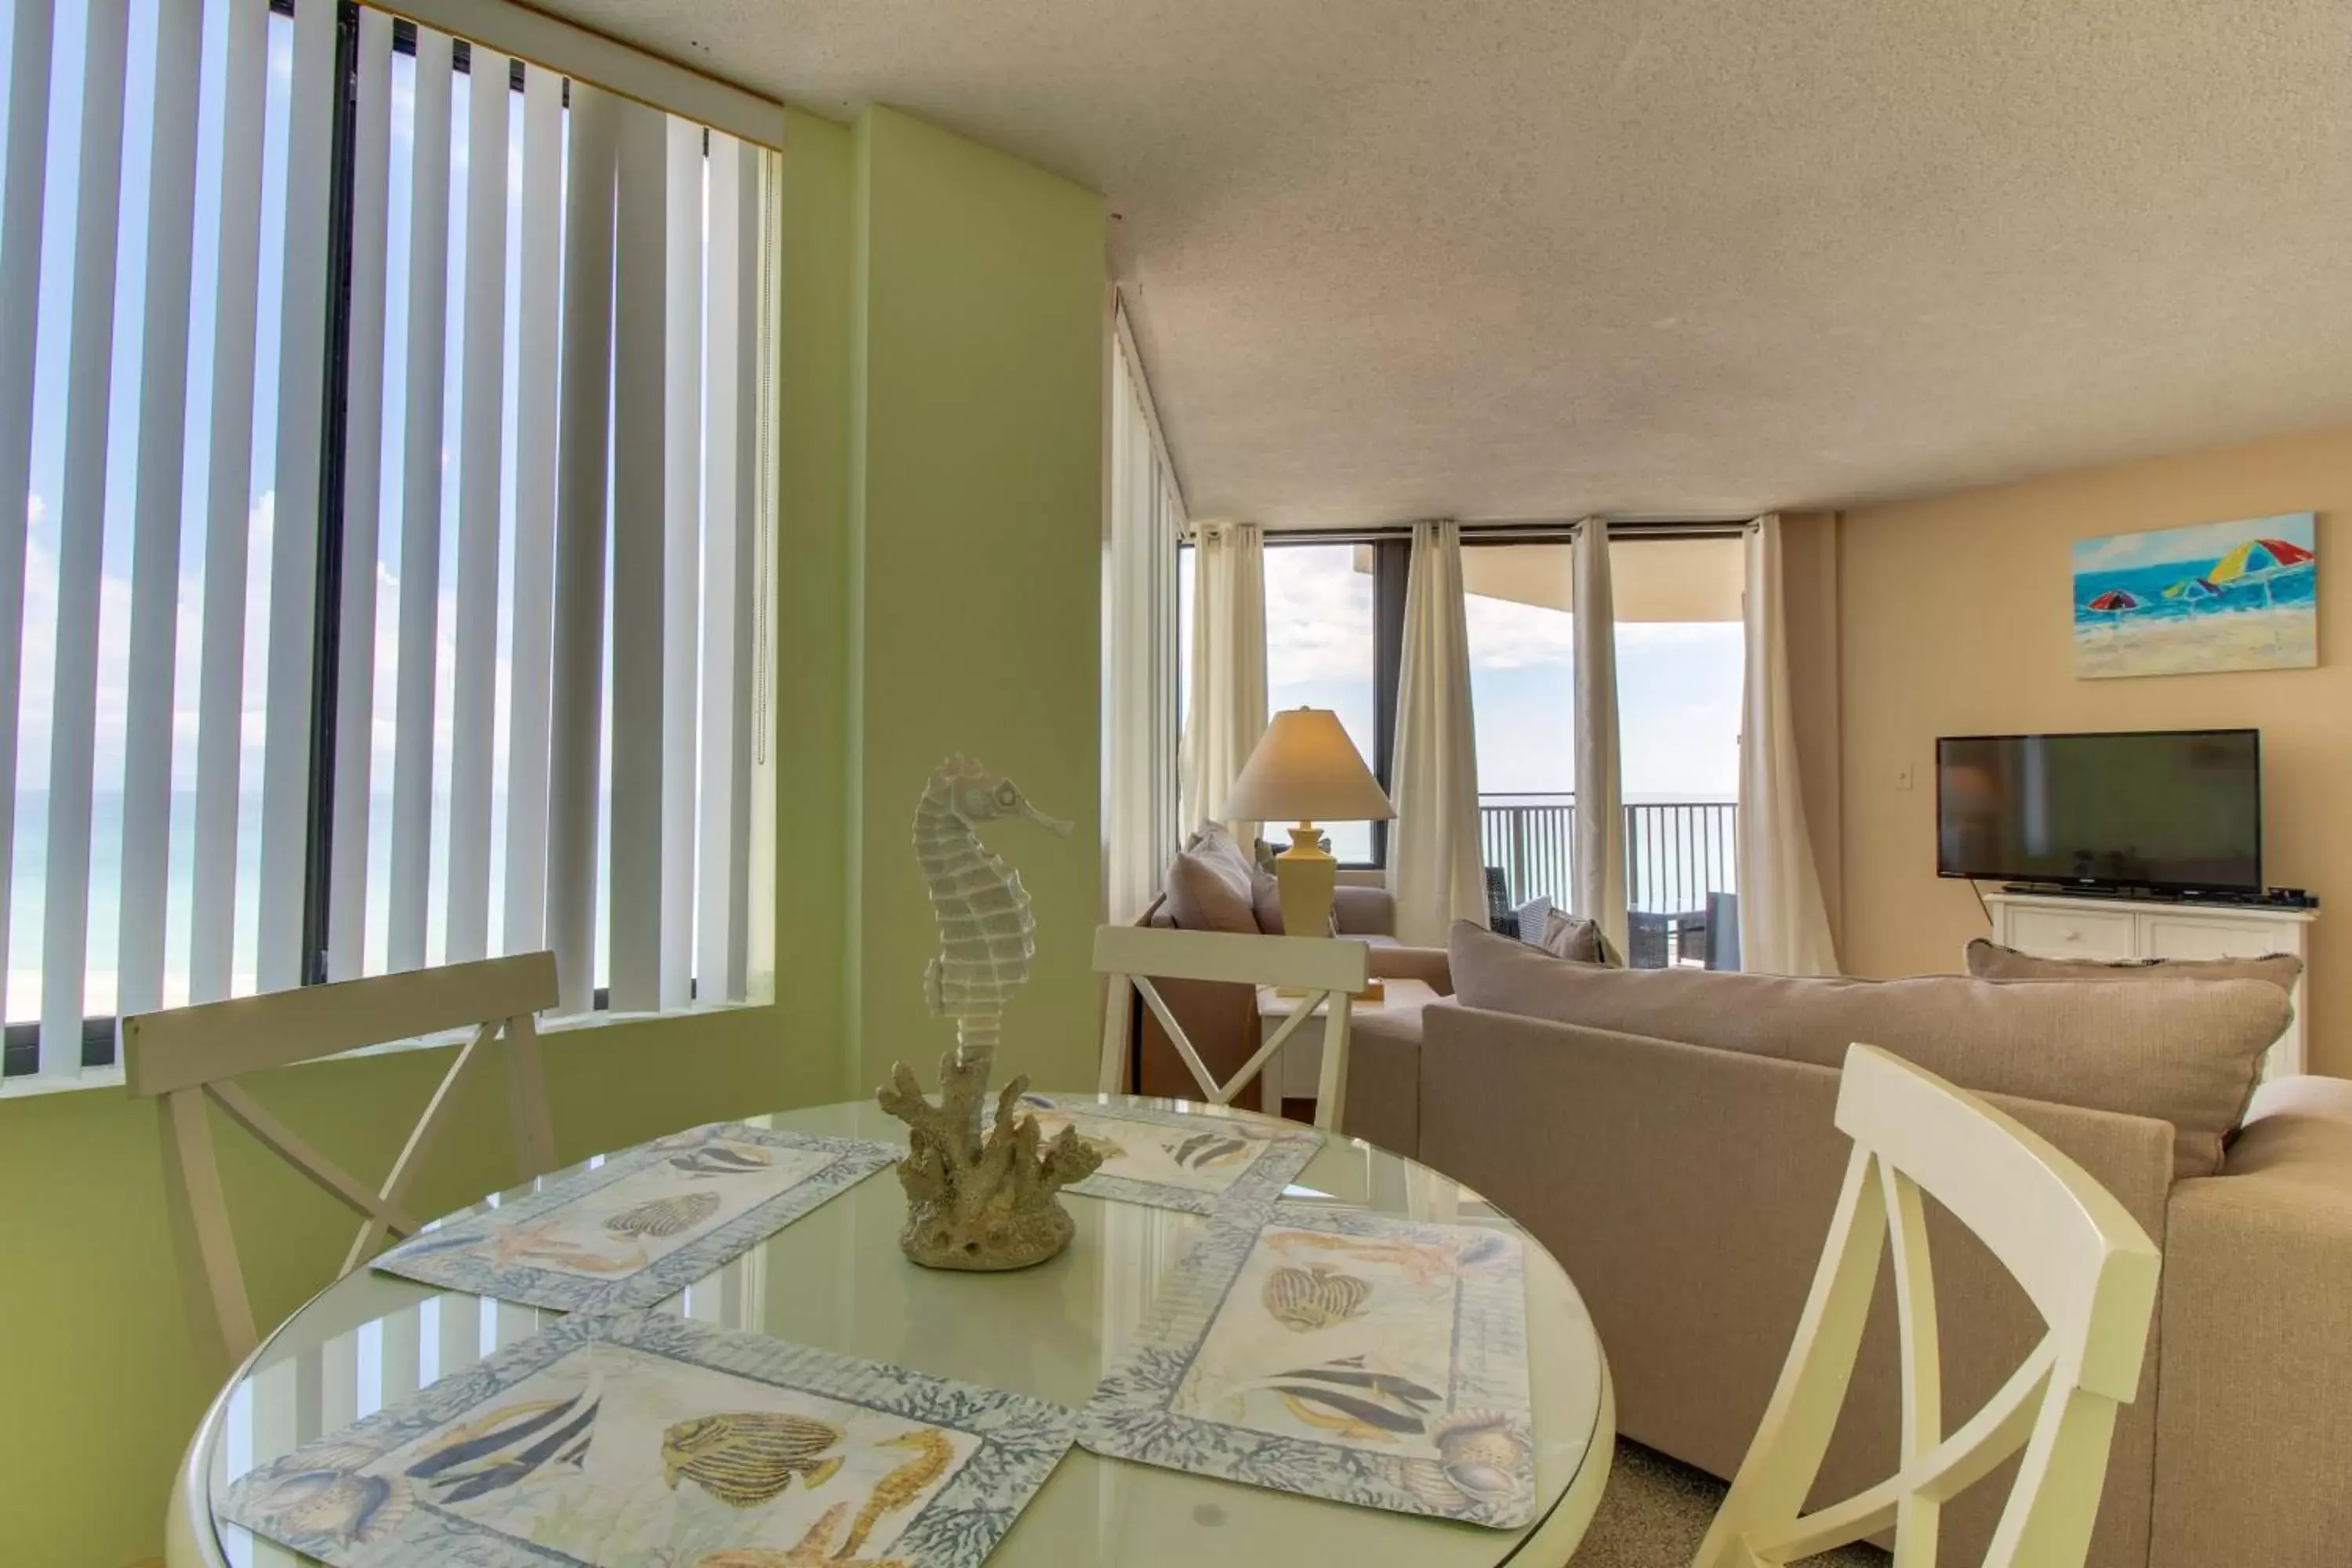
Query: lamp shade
x,y
1305,769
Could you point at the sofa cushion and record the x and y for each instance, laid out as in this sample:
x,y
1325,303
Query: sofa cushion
x,y
1988,960
1209,885
2182,1052
1568,936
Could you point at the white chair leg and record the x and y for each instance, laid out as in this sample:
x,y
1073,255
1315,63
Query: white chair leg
x,y
1332,1088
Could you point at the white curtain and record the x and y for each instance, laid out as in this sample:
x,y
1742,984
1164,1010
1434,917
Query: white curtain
x,y
1227,713
1434,855
1599,790
1140,719
1784,926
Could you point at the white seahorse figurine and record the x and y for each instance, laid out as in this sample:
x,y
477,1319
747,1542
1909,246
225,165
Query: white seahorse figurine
x,y
987,935
980,1195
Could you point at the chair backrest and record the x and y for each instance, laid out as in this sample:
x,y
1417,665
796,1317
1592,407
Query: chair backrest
x,y
1500,917
1328,971
1645,939
2088,1268
1723,931
192,1055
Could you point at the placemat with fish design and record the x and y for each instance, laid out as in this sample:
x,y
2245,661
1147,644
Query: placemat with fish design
x,y
1170,1160
645,1224
643,1438
1342,1355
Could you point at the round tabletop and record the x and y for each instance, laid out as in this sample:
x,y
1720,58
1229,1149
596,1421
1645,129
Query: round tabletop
x,y
835,1278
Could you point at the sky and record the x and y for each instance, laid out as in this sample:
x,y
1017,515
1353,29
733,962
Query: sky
x,y
2201,545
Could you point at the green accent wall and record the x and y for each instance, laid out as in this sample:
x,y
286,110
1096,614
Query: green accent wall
x,y
939,433
977,496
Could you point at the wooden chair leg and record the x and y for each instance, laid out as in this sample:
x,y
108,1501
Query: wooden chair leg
x,y
1110,1075
534,1132
188,1144
1331,1087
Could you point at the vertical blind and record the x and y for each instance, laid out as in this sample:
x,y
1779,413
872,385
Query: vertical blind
x,y
1141,719
398,476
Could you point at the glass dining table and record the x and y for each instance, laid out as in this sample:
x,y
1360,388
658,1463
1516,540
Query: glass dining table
x,y
835,1278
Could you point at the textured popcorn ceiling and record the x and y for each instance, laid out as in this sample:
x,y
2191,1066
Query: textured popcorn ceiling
x,y
1392,258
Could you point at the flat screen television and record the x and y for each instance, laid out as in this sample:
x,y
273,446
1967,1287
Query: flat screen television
x,y
2172,810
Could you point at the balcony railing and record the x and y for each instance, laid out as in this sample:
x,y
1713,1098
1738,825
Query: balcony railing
x,y
1676,852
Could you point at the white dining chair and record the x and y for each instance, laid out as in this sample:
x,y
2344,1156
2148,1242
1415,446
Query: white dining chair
x,y
2086,1265
188,1057
1329,971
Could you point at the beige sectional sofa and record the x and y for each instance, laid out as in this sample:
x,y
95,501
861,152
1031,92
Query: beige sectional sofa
x,y
1668,1136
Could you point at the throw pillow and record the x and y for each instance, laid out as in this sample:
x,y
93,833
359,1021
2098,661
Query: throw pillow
x,y
1568,936
2189,1053
1988,960
1209,886
1533,920
1265,893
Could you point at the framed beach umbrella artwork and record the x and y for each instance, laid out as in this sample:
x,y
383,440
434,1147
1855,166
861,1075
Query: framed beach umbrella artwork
x,y
2193,601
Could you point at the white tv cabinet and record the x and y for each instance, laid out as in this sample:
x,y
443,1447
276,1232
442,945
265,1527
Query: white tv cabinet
x,y
2057,925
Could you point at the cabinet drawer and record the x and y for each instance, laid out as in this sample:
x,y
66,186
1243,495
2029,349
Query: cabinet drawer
x,y
2071,933
2182,936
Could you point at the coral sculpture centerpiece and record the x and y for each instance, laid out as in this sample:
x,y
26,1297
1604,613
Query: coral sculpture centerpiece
x,y
978,1197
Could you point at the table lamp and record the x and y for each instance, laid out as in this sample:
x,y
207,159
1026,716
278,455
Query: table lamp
x,y
1305,771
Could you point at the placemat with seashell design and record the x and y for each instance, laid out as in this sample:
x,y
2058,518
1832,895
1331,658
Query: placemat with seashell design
x,y
645,1224
1341,1355
1178,1160
644,1438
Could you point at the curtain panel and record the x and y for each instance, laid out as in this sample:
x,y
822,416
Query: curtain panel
x,y
1600,828
1139,718
1784,927
1434,861
1227,709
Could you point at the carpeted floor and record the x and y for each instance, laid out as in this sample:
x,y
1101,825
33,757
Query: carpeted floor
x,y
1656,1511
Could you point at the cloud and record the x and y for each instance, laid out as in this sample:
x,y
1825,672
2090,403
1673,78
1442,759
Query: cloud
x,y
2117,549
1319,616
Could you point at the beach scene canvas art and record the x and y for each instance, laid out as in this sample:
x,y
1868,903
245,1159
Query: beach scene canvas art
x,y
2193,601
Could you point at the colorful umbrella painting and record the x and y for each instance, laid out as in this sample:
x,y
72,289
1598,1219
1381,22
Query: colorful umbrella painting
x,y
2214,596
2258,558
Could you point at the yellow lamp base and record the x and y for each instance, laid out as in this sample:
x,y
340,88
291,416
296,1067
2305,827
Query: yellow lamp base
x,y
1308,877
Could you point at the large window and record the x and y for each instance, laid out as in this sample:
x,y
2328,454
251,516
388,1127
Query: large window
x,y
1679,652
1333,615
1321,651
1328,645
391,417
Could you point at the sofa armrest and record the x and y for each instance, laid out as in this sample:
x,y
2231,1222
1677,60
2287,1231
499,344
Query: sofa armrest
x,y
1427,965
1383,1104
2256,1411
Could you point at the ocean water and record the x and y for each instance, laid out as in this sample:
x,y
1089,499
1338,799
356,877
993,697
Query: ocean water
x,y
2295,588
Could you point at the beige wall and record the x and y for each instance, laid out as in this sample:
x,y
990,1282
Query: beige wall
x,y
1953,618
